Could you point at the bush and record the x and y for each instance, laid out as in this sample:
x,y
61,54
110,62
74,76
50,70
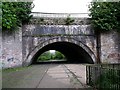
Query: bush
x,y
49,56
109,78
105,15
69,21
15,13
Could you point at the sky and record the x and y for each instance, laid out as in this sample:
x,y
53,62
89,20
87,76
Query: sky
x,y
61,6
52,51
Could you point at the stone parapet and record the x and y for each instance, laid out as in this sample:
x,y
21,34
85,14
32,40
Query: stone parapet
x,y
60,21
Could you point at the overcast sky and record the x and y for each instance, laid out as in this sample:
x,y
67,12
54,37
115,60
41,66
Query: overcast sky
x,y
61,6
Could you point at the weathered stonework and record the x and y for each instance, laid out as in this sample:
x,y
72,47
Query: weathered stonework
x,y
35,35
11,49
0,49
110,47
59,21
20,47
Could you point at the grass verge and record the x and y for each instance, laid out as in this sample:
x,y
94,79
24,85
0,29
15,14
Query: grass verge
x,y
15,69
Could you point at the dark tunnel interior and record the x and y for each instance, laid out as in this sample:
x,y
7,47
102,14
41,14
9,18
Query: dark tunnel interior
x,y
72,52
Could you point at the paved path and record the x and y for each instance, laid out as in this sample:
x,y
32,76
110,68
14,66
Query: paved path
x,y
47,76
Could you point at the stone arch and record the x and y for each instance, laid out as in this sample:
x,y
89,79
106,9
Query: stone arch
x,y
31,54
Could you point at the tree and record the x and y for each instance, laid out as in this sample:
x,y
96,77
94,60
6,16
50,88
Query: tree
x,y
0,15
59,55
46,56
105,15
15,13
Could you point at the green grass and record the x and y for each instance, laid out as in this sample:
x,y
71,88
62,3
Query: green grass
x,y
15,69
109,79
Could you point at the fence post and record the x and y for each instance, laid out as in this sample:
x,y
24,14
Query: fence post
x,y
87,75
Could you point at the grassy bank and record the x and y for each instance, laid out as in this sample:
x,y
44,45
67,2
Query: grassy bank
x,y
15,69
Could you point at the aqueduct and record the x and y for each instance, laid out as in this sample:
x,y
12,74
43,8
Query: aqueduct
x,y
71,34
76,41
72,49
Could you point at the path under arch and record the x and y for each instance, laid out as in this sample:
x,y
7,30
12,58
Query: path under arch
x,y
47,76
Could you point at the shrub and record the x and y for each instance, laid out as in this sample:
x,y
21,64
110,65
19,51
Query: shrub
x,y
105,15
109,78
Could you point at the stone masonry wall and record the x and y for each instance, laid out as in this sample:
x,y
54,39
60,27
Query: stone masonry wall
x,y
11,49
34,34
110,47
0,49
16,46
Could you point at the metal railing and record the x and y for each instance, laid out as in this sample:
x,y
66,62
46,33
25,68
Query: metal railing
x,y
60,15
104,76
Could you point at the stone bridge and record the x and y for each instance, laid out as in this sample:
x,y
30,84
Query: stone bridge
x,y
73,36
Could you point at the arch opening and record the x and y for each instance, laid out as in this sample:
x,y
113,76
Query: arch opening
x,y
51,56
73,53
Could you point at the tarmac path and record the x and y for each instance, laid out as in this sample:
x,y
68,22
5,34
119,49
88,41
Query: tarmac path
x,y
47,76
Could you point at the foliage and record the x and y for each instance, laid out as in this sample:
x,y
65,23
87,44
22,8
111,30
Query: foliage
x,y
50,56
16,69
108,79
15,13
69,20
45,56
105,15
58,55
0,15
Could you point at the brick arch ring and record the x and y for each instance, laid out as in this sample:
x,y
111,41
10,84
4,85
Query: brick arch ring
x,y
29,57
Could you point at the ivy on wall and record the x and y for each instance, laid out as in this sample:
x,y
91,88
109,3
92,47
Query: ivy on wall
x,y
105,15
0,15
15,13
